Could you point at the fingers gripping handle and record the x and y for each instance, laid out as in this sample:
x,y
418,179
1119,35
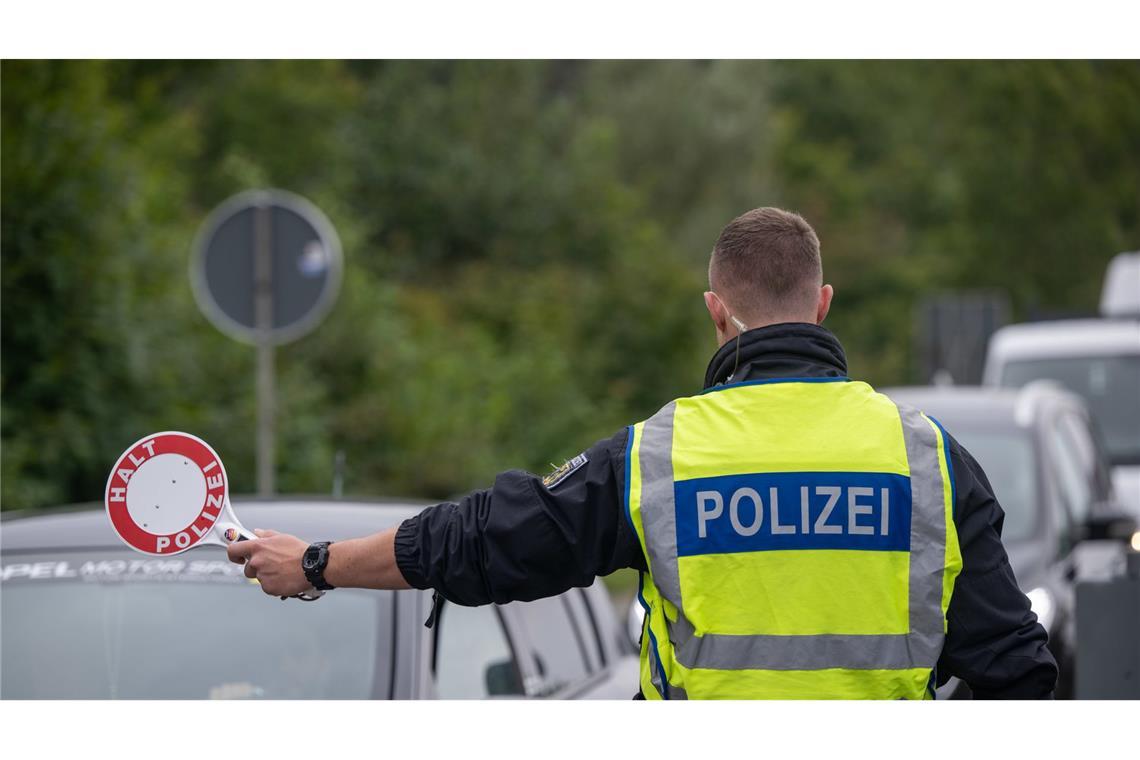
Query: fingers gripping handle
x,y
233,533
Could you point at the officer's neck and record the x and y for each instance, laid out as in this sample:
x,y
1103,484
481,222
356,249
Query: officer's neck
x,y
788,349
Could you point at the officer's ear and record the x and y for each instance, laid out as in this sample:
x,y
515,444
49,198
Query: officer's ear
x,y
717,312
826,293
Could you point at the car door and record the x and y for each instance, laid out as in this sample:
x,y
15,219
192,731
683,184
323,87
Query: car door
x,y
575,649
473,654
559,655
1070,462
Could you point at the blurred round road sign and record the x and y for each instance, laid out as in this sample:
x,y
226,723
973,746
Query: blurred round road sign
x,y
168,492
266,267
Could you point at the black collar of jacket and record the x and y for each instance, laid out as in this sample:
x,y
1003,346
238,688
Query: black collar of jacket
x,y
789,349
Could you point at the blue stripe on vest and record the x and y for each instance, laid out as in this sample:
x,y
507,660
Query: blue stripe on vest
x,y
793,510
949,467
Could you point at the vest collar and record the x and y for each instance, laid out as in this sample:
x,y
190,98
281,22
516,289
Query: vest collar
x,y
789,349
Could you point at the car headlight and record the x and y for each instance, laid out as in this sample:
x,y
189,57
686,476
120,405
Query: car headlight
x,y
1043,605
1136,541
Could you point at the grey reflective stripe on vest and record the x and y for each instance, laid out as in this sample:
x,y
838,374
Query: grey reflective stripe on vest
x,y
657,490
927,537
919,648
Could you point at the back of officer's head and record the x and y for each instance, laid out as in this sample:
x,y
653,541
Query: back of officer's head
x,y
766,267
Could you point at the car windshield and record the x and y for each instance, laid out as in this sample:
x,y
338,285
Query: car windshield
x,y
113,626
1007,457
1108,384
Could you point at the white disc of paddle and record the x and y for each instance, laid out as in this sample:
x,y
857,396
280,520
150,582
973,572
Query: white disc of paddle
x,y
168,492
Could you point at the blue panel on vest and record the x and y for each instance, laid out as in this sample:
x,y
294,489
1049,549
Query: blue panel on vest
x,y
793,510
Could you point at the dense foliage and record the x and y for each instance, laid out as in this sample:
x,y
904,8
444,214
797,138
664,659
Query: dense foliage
x,y
526,242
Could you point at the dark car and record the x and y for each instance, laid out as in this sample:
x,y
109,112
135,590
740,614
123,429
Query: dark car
x,y
1043,457
84,617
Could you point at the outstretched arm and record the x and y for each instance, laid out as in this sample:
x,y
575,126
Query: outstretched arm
x,y
274,559
524,538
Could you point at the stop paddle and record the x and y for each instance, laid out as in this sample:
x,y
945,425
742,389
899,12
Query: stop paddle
x,y
168,492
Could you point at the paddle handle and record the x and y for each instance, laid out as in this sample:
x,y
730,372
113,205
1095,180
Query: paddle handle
x,y
235,533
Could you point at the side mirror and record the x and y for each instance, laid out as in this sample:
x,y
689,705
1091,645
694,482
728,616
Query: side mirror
x,y
502,679
1109,524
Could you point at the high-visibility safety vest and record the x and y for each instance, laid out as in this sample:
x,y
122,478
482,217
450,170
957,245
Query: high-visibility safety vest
x,y
800,543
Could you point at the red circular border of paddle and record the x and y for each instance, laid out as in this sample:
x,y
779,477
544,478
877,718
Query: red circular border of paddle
x,y
198,452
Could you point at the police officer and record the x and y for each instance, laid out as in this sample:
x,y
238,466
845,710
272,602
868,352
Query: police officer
x,y
797,533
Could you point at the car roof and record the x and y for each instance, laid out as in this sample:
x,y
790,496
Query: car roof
x,y
1067,337
312,518
984,406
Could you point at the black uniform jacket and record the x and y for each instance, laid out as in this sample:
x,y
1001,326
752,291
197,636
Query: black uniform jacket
x,y
521,540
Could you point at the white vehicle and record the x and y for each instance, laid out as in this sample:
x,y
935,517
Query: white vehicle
x,y
1099,359
1120,296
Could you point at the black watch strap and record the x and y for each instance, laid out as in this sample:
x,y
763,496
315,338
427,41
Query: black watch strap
x,y
314,562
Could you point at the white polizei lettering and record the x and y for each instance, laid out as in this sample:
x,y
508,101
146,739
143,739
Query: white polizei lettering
x,y
854,509
118,493
214,481
214,500
884,518
125,474
703,514
182,540
209,467
805,518
149,446
774,506
832,493
161,543
200,531
734,512
136,461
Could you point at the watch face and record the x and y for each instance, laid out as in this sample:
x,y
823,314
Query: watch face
x,y
312,556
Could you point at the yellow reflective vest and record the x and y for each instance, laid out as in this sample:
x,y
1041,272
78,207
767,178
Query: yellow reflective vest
x,y
800,543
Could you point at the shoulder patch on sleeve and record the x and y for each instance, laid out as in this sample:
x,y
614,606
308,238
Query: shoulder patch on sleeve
x,y
563,472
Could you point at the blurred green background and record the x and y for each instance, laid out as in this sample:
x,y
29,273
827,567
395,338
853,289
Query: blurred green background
x,y
525,242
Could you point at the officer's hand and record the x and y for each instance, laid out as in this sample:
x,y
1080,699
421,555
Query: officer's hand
x,y
274,559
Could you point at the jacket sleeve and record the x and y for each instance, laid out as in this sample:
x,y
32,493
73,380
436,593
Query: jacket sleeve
x,y
523,538
993,642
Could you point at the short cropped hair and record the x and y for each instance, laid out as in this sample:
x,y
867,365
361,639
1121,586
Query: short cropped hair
x,y
766,266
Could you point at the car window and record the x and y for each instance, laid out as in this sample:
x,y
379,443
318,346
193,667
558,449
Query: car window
x,y
473,656
1107,383
1073,428
127,627
559,645
1072,482
1008,459
1075,431
1088,438
581,614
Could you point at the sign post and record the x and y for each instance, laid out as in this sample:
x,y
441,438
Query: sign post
x,y
266,268
266,387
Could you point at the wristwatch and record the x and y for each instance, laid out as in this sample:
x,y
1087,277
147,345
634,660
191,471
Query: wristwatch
x,y
314,561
